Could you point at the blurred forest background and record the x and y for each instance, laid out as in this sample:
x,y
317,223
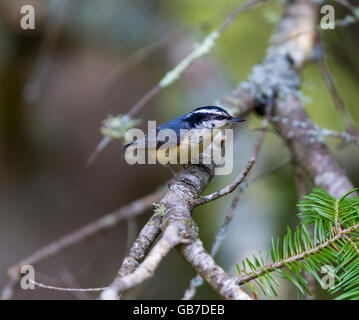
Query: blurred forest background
x,y
88,59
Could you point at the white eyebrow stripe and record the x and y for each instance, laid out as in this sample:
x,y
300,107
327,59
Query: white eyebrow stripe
x,y
212,111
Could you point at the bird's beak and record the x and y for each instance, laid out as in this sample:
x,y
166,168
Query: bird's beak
x,y
236,120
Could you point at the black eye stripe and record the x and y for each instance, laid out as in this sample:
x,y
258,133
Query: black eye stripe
x,y
197,118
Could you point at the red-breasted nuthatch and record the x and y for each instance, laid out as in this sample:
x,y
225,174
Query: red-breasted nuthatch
x,y
192,131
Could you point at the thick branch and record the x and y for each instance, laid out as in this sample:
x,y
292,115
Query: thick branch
x,y
311,153
279,72
214,275
197,280
179,228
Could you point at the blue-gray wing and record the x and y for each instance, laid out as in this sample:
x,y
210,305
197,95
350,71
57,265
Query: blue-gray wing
x,y
169,133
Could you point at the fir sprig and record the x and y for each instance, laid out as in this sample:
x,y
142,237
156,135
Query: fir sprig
x,y
332,245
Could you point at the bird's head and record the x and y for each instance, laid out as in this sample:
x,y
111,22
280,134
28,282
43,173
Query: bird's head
x,y
211,117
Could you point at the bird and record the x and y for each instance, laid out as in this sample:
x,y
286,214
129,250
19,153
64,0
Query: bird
x,y
184,134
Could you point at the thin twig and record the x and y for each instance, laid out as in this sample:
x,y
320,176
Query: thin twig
x,y
299,178
45,58
299,181
147,50
228,189
352,243
329,80
141,246
45,286
275,266
108,221
271,171
197,53
171,237
349,6
244,173
310,129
